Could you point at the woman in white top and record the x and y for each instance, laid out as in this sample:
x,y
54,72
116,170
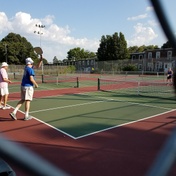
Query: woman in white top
x,y
4,81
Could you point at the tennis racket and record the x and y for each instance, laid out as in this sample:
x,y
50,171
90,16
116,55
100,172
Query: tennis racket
x,y
38,50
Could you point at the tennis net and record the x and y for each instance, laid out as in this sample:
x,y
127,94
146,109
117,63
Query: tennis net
x,y
61,81
144,88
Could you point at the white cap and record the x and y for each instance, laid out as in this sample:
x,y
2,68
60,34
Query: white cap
x,y
29,61
4,64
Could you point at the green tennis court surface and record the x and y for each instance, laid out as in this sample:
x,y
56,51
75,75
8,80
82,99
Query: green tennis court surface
x,y
79,115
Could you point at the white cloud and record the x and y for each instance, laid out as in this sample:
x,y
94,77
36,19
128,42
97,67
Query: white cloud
x,y
55,40
142,16
143,35
149,8
5,24
153,23
48,20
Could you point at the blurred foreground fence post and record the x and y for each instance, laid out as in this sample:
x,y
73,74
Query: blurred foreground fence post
x,y
27,160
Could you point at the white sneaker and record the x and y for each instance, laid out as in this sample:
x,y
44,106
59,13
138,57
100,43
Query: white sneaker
x,y
1,107
28,118
6,107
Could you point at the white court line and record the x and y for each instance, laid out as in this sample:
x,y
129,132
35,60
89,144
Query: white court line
x,y
46,88
99,131
105,100
68,106
106,129
34,98
48,125
140,104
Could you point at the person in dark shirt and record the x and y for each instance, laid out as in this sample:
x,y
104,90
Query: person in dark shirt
x,y
169,75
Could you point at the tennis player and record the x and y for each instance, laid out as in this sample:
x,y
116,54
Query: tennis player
x,y
4,81
169,75
27,88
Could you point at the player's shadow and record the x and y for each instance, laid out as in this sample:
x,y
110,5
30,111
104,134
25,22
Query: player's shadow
x,y
3,119
171,117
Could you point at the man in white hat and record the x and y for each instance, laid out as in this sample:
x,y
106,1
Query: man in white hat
x,y
27,88
4,81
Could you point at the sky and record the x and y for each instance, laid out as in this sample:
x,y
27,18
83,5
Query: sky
x,y
80,23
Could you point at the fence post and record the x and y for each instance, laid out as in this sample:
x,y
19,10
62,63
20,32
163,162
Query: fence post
x,y
98,83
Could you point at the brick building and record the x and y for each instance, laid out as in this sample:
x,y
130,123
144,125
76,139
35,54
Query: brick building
x,y
155,60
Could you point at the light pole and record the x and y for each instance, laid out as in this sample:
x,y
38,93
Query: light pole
x,y
40,26
5,45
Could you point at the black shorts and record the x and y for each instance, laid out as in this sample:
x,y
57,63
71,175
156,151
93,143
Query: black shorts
x,y
169,77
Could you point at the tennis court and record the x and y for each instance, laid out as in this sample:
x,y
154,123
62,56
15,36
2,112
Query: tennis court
x,y
80,115
83,114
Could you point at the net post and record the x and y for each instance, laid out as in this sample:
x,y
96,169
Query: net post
x,y
42,78
138,89
77,82
98,83
57,80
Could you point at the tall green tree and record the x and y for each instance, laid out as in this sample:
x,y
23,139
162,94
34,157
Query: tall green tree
x,y
102,52
112,47
123,51
79,53
18,49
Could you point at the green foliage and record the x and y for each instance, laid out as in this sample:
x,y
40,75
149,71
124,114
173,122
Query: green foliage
x,y
79,54
15,49
167,45
18,49
55,60
136,49
44,61
113,48
129,67
71,69
133,49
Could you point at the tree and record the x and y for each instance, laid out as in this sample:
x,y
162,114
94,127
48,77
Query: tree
x,y
102,52
133,49
55,60
18,49
123,51
136,49
129,67
78,54
44,61
113,47
167,45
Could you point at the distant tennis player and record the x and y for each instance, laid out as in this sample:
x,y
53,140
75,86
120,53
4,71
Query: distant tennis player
x,y
169,75
27,88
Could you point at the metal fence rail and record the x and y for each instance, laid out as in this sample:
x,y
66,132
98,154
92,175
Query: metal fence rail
x,y
26,159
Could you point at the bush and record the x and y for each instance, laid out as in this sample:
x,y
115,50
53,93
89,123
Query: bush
x,y
129,67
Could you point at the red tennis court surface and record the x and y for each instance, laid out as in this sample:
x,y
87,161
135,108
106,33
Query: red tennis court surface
x,y
125,151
